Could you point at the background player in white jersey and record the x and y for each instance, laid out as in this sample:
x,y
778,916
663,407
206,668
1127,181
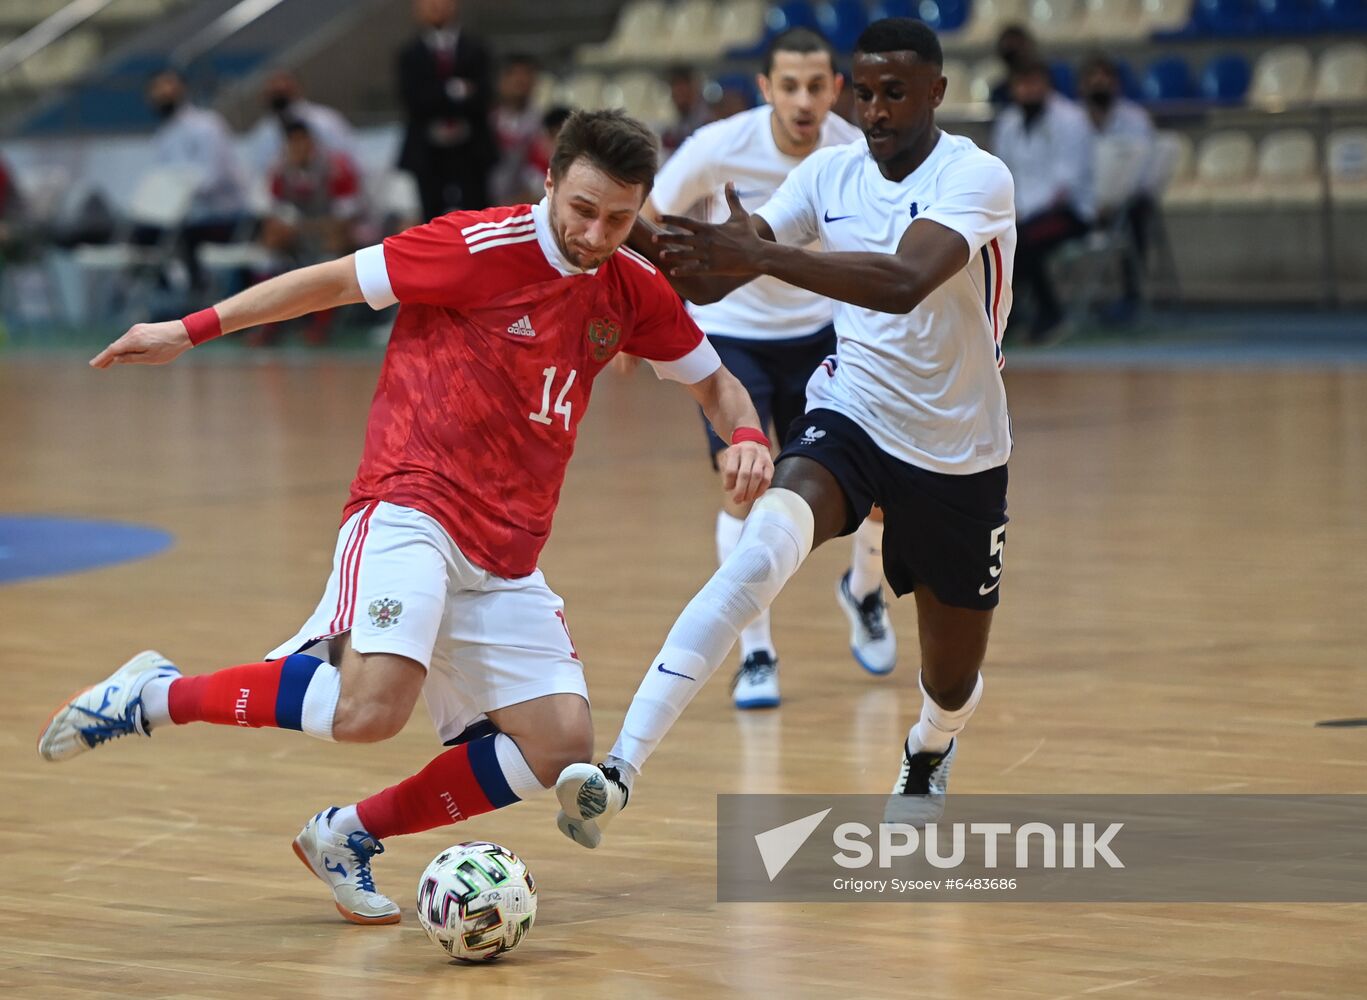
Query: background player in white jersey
x,y
769,334
505,318
919,232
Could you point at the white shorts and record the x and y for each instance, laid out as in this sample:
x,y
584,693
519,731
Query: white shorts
x,y
400,585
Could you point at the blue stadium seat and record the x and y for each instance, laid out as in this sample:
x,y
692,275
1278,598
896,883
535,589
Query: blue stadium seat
x,y
1343,15
1130,84
943,15
1063,78
1289,17
1225,17
1168,79
891,8
842,21
793,14
741,83
1226,79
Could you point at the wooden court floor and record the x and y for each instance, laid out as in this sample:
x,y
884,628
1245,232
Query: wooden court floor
x,y
1183,600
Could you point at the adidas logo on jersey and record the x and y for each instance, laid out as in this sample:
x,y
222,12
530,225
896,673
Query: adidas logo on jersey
x,y
811,436
522,328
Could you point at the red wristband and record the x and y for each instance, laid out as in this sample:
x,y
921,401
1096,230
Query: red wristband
x,y
749,434
203,325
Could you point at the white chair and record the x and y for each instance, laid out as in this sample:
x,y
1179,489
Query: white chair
x,y
639,23
1288,169
740,24
1342,74
1348,166
1223,161
1057,20
582,90
958,86
643,96
691,31
988,18
62,61
1226,164
1282,76
985,75
1164,15
1172,163
1112,21
1122,165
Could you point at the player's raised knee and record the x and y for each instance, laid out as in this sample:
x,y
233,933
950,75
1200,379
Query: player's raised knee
x,y
367,722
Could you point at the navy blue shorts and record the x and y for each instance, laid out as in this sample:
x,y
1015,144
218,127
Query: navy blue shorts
x,y
775,374
946,532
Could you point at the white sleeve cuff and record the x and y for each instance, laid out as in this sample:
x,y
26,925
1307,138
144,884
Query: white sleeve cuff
x,y
373,276
693,367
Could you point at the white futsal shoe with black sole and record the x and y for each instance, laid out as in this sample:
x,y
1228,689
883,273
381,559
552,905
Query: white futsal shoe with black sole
x,y
344,864
590,795
872,641
918,797
110,709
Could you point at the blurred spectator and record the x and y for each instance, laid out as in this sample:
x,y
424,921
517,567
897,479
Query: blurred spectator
x,y
316,214
283,99
1046,141
685,92
445,84
1114,116
517,123
11,206
1015,47
317,207
199,139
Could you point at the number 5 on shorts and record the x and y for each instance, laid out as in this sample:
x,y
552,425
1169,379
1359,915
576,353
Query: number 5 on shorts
x,y
996,552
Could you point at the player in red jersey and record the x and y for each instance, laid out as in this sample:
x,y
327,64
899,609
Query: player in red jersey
x,y
506,317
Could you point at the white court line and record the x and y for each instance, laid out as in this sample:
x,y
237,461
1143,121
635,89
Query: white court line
x,y
188,823
1025,758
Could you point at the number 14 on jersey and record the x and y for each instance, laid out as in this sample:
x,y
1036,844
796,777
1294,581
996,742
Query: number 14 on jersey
x,y
562,408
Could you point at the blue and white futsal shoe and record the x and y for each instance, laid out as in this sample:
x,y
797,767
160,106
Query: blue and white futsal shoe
x,y
918,797
872,640
756,682
110,709
590,795
344,864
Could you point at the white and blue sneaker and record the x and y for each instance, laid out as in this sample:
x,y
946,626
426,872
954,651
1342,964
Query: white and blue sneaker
x,y
110,709
918,797
590,795
343,862
756,682
872,640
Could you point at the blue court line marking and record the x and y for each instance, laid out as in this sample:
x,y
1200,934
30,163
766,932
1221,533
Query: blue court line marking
x,y
34,546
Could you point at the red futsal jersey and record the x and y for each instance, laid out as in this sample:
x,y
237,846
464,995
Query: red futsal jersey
x,y
489,370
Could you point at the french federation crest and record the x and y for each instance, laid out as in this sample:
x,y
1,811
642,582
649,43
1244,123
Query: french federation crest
x,y
604,335
385,612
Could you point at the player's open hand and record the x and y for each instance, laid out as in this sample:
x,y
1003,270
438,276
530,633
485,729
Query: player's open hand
x,y
747,470
702,248
146,344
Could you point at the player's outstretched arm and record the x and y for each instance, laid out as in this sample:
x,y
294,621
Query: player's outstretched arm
x,y
928,255
297,293
747,466
649,239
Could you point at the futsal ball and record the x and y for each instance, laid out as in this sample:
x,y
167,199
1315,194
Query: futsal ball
x,y
476,901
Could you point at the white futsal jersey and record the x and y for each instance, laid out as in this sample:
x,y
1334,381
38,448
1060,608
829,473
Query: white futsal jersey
x,y
925,385
741,149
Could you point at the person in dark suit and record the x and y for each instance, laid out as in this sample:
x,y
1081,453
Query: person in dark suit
x,y
446,86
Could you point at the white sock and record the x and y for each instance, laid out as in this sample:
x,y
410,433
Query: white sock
x,y
345,821
757,635
625,769
866,559
938,726
516,771
156,695
777,537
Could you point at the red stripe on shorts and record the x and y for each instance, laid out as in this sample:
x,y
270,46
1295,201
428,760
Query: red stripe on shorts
x,y
351,571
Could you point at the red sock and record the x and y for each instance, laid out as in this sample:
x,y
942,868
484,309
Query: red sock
x,y
463,782
254,694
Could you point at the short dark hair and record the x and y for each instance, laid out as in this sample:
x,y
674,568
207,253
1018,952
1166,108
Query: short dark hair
x,y
800,40
297,126
902,34
610,140
521,59
1099,62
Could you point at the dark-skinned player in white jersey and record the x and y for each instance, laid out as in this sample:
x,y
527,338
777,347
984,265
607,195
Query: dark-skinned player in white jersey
x,y
918,235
